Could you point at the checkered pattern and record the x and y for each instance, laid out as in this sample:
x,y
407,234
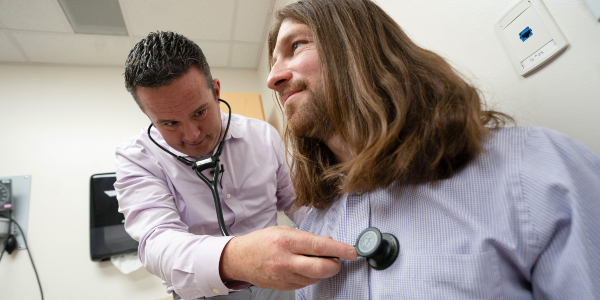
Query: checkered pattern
x,y
522,221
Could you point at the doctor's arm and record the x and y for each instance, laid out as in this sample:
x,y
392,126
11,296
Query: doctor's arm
x,y
276,258
187,262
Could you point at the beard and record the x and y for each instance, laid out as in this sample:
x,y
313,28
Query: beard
x,y
308,118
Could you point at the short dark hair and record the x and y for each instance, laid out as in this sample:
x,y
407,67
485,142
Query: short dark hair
x,y
160,58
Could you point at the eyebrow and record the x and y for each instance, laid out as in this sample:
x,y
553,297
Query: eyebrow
x,y
286,40
201,107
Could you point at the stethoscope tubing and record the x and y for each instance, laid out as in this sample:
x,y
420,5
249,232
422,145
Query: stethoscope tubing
x,y
198,168
212,185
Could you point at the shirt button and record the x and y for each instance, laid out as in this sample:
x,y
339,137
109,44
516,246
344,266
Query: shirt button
x,y
216,291
228,196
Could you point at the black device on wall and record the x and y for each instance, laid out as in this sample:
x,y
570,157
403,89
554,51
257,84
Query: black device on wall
x,y
10,242
5,195
107,228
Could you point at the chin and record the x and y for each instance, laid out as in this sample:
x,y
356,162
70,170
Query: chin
x,y
302,130
199,153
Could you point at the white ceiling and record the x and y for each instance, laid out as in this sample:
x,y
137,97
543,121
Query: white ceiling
x,y
231,33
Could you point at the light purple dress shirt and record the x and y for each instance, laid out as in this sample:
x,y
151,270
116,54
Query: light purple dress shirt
x,y
521,221
171,212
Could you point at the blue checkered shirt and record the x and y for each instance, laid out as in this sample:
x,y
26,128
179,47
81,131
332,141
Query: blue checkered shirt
x,y
521,221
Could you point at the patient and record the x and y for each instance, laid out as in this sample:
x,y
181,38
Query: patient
x,y
384,133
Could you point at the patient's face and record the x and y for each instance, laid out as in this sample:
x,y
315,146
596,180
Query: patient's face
x,y
296,76
185,112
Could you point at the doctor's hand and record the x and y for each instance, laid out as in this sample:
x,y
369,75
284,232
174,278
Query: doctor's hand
x,y
282,258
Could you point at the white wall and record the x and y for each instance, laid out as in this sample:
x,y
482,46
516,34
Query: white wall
x,y
61,125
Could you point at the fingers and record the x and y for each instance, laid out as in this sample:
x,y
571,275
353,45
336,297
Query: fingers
x,y
309,244
299,281
292,281
316,267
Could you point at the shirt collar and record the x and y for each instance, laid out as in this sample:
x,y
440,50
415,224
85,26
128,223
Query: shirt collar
x,y
234,131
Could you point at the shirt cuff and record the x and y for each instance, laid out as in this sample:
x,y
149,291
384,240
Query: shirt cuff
x,y
206,266
237,285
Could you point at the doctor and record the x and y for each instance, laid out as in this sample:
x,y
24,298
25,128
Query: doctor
x,y
171,212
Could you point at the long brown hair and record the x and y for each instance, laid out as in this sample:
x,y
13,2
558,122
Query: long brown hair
x,y
403,112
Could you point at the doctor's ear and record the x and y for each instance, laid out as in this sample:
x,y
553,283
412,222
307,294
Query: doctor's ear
x,y
217,87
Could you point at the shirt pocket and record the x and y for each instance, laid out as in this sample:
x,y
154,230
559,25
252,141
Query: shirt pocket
x,y
453,276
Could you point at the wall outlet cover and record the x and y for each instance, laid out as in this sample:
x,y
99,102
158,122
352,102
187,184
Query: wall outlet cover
x,y
530,35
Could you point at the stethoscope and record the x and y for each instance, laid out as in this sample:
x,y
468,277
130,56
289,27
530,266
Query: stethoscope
x,y
380,249
203,163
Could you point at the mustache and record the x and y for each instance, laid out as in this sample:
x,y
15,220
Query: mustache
x,y
296,85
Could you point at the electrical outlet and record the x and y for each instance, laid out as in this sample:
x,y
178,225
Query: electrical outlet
x,y
530,35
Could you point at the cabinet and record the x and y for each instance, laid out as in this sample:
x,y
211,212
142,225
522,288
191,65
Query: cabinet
x,y
245,104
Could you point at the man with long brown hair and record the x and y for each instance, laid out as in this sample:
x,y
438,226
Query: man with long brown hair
x,y
383,133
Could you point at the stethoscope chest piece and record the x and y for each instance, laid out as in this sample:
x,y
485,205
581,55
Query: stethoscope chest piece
x,y
380,249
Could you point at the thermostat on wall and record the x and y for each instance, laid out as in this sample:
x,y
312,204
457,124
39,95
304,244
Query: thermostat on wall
x,y
530,35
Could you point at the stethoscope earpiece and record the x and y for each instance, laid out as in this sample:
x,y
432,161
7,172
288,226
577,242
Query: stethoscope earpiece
x,y
380,249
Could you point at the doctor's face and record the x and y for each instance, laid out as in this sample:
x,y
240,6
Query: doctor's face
x,y
185,112
296,77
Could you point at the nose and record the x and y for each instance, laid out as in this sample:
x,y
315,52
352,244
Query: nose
x,y
191,132
279,75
